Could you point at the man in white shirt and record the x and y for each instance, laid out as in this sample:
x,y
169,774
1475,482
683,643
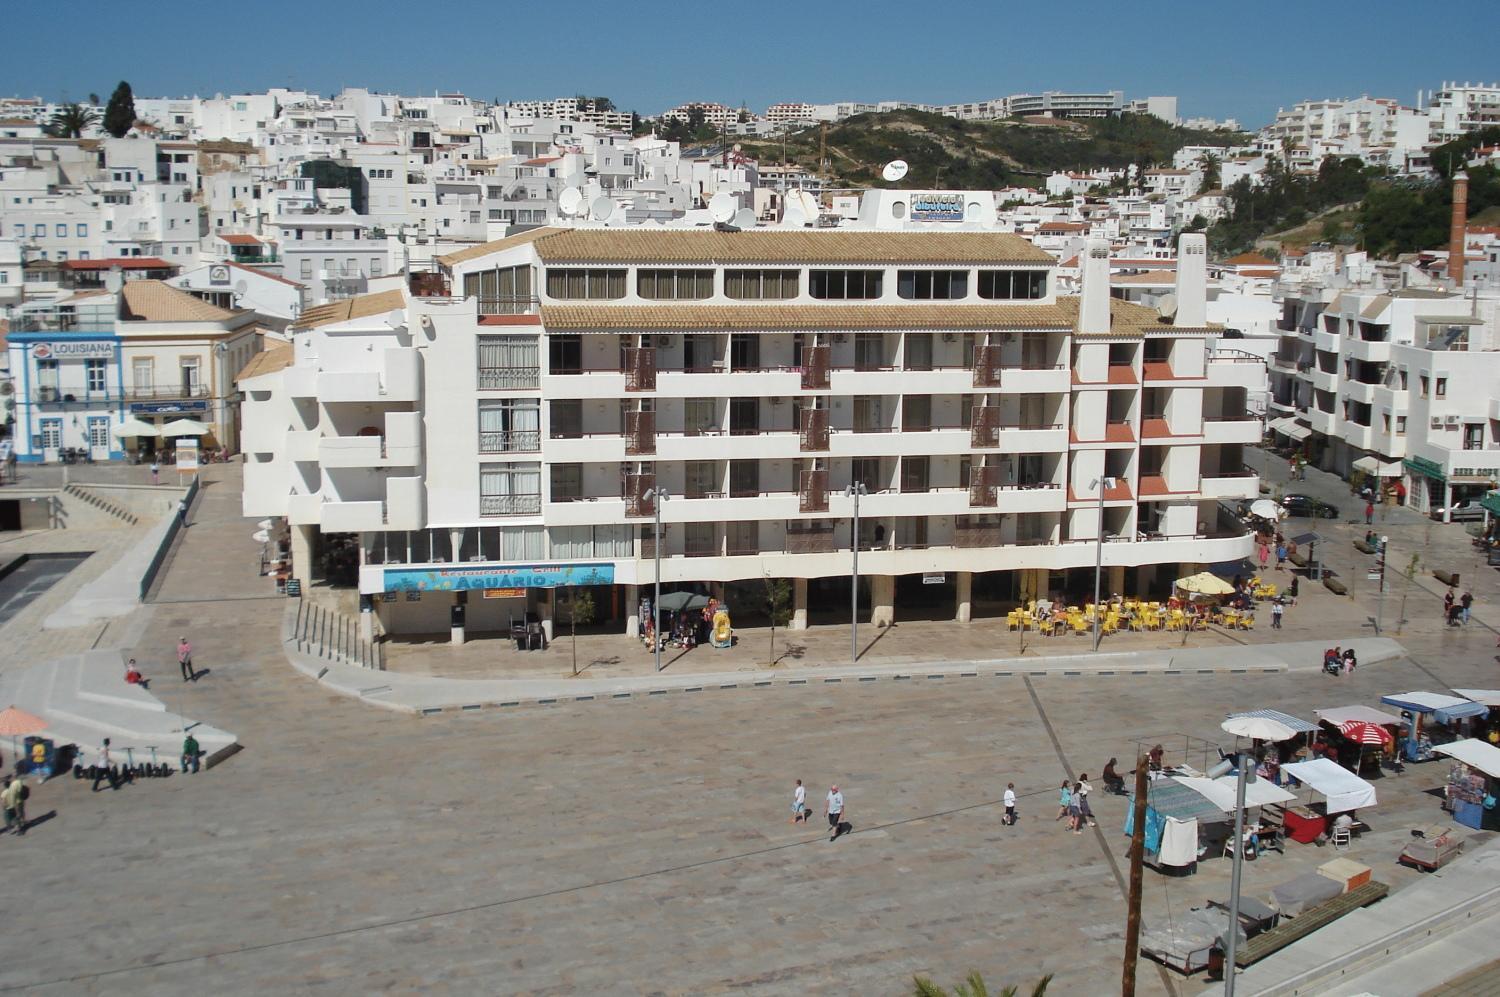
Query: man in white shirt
x,y
1084,789
799,803
834,806
1010,803
104,768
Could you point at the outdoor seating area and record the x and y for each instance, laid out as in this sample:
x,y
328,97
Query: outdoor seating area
x,y
1197,602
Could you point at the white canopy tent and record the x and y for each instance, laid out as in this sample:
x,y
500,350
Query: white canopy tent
x,y
1474,753
186,427
1365,714
1221,791
1488,697
133,427
1371,464
1341,788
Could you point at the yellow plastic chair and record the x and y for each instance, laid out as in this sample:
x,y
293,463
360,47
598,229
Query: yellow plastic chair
x,y
1111,623
1175,620
1080,625
1137,623
1013,620
1247,622
1045,626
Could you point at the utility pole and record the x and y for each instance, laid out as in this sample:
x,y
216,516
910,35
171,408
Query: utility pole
x,y
1137,867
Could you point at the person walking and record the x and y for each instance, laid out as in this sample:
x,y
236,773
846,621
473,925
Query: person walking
x,y
1277,608
1265,554
185,660
10,797
1448,606
191,754
1083,791
1280,555
1467,601
1010,804
104,768
1369,512
155,471
182,512
834,805
1064,799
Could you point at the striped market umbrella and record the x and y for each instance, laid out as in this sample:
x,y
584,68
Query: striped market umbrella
x,y
1361,732
16,722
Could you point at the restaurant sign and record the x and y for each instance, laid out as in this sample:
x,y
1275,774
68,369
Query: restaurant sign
x,y
1423,466
499,576
81,350
937,208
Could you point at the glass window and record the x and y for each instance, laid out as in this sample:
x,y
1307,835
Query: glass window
x,y
761,285
510,489
932,285
509,424
699,416
94,373
508,362
567,482
506,291
675,285
585,285
845,284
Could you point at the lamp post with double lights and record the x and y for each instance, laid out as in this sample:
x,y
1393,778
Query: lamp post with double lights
x,y
656,496
854,491
1101,484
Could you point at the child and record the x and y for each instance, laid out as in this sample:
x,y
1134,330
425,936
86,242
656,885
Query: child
x,y
1064,798
799,803
1010,803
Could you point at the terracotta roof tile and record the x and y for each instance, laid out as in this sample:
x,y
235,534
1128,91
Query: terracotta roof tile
x,y
360,306
267,362
835,317
154,301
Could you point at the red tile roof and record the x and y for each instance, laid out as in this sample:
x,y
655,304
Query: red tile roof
x,y
238,239
123,262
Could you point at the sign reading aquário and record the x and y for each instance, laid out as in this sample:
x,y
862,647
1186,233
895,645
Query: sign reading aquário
x,y
500,576
937,207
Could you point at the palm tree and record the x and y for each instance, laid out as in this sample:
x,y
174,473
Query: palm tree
x,y
72,120
1210,164
973,986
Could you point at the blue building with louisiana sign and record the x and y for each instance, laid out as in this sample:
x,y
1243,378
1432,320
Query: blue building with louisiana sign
x,y
67,381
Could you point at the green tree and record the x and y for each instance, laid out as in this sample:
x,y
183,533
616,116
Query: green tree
x,y
119,116
779,609
695,118
603,104
973,986
71,121
1210,164
580,610
94,99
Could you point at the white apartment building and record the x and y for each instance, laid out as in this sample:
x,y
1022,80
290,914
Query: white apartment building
x,y
568,109
1459,108
1060,104
521,434
713,113
1164,108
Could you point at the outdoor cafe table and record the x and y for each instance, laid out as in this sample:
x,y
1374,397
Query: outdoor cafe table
x,y
1304,825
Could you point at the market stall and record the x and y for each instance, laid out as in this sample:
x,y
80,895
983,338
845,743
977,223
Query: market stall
x,y
1342,791
1490,700
1425,710
1282,746
1472,785
1178,807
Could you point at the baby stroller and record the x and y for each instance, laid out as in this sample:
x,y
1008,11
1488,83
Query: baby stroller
x,y
1333,661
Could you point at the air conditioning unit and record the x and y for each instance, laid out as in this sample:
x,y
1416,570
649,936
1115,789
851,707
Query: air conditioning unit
x,y
1452,420
949,337
663,341
841,337
1437,422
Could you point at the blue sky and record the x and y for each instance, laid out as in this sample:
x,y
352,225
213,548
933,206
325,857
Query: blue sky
x,y
1241,60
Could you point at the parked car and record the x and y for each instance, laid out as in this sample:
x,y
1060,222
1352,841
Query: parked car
x,y
1306,505
1461,511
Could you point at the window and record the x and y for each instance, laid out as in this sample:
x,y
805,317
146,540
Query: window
x,y
674,285
1400,425
1442,387
574,542
508,425
761,285
744,351
744,416
844,284
306,271
40,231
510,489
82,229
866,471
46,374
591,285
93,375
918,351
699,416
567,482
375,266
62,230
744,478
700,479
932,285
1006,285
507,362
505,291
51,434
1422,380
914,474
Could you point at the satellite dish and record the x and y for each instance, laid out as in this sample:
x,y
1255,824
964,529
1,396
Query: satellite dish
x,y
721,208
240,287
570,201
805,203
395,318
792,216
894,170
1166,306
744,218
601,208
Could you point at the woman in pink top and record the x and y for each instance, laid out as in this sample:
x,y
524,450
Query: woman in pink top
x,y
185,659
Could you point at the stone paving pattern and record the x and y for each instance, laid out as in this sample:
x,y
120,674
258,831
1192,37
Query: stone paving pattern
x,y
638,846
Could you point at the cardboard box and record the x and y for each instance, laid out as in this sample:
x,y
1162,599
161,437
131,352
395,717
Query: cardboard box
x,y
1345,871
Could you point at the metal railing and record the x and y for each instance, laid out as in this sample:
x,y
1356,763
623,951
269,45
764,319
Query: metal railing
x,y
148,578
510,505
327,634
512,305
501,441
167,391
505,378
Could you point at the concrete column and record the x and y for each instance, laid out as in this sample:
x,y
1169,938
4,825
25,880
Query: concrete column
x,y
366,617
632,611
965,586
882,600
544,606
456,538
456,619
799,604
1114,580
303,541
716,589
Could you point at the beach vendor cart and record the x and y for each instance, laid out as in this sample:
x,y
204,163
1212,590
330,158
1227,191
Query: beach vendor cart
x,y
1422,713
1474,782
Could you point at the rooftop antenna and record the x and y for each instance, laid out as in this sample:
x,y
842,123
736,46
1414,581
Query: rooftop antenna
x,y
894,171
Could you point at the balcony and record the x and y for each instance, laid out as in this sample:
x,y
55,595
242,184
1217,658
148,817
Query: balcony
x,y
636,502
521,305
1227,484
523,504
812,491
816,361
814,431
73,396
984,487
398,380
509,378
1232,429
640,369
968,533
505,441
352,517
986,366
156,392
810,540
985,431
640,433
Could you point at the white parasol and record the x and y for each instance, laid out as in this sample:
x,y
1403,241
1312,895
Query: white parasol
x,y
133,427
1266,509
1259,728
185,427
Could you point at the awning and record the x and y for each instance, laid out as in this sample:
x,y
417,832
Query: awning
x,y
1341,788
1367,464
186,427
1221,791
1443,708
1491,501
1489,697
1423,466
1297,431
1366,714
1280,425
1391,468
1474,753
133,427
1300,726
1171,798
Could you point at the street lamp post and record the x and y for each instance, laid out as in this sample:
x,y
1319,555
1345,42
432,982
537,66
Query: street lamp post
x,y
854,491
1100,484
1244,769
656,496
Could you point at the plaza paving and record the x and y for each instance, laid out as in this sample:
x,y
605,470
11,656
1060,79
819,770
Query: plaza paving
x,y
636,846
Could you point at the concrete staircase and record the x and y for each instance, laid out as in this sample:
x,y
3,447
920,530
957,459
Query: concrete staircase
x,y
102,504
84,698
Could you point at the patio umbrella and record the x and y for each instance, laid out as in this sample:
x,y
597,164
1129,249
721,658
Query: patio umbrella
x,y
1204,583
677,602
16,722
1259,728
1266,509
133,427
185,427
1365,733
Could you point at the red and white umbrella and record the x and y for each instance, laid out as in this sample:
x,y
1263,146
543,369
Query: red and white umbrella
x,y
1361,732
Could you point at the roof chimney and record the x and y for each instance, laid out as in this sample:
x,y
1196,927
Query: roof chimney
x,y
1458,228
1192,281
1093,304
114,279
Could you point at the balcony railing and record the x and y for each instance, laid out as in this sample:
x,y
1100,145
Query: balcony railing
x,y
501,441
508,378
986,366
812,491
519,305
640,433
640,369
815,364
72,396
812,540
814,430
519,504
148,391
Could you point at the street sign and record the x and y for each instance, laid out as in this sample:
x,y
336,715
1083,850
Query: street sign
x,y
934,578
1373,576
